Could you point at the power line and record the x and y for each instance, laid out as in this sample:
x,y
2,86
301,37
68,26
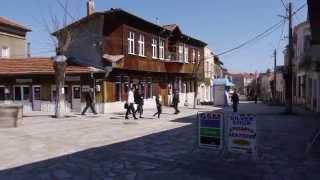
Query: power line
x,y
261,35
299,9
281,35
267,31
284,5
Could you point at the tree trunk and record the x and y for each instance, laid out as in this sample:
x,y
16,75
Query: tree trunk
x,y
59,68
195,93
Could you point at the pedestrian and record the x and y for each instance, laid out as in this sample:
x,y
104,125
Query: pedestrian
x,y
130,104
175,101
226,98
89,103
235,101
139,100
159,107
255,99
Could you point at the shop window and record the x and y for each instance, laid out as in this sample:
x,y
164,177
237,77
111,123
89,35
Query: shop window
x,y
76,92
66,94
26,93
17,93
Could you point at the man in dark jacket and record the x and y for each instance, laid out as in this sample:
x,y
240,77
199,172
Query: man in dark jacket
x,y
139,100
89,103
235,101
175,101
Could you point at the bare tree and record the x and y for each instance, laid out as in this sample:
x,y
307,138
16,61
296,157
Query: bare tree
x,y
61,38
197,76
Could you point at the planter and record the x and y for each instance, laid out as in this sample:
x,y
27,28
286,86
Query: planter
x,y
10,115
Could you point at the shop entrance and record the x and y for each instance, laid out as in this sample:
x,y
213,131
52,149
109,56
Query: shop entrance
x,y
76,98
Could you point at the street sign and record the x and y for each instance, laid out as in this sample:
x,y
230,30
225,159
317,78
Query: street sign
x,y
242,133
210,129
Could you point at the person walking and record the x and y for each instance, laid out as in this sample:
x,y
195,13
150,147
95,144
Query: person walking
x,y
89,104
235,101
139,100
226,98
130,105
175,101
159,107
255,99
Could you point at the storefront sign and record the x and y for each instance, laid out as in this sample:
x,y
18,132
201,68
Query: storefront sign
x,y
23,80
72,78
210,129
242,133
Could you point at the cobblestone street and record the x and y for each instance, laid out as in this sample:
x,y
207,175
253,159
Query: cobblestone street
x,y
108,147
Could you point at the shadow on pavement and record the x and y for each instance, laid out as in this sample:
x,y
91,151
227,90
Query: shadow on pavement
x,y
170,155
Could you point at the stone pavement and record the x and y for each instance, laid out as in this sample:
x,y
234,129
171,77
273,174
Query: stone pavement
x,y
108,147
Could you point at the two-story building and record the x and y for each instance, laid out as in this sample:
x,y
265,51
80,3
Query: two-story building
x,y
12,39
205,88
135,52
30,80
306,80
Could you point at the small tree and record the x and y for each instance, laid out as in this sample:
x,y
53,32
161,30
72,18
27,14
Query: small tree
x,y
61,38
197,76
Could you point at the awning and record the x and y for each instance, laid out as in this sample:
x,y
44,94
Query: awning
x,y
113,58
222,82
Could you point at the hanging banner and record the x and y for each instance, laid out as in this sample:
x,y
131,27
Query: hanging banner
x,y
210,129
242,133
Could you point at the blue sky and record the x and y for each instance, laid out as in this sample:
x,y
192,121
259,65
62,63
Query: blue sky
x,y
223,24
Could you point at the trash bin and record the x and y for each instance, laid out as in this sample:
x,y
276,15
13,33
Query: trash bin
x,y
10,115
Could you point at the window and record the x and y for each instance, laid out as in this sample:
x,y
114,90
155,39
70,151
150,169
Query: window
x,y
26,93
186,55
193,56
141,45
161,49
181,53
21,93
5,52
37,93
54,93
154,48
131,43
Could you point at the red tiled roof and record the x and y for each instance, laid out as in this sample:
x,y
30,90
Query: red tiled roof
x,y
35,66
8,22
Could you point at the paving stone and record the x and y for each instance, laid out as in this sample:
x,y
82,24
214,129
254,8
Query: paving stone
x,y
61,174
163,150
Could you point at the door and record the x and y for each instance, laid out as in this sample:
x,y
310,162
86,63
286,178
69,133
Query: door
x,y
76,98
36,98
2,94
21,95
164,94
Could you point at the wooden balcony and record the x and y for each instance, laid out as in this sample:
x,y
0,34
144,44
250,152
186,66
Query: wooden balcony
x,y
137,63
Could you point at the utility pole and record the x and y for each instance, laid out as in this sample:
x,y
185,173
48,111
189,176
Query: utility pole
x,y
290,57
275,77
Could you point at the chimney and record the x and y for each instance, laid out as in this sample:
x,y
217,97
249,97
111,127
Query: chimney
x,y
28,49
90,7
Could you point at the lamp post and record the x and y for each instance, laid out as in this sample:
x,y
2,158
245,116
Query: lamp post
x,y
59,64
